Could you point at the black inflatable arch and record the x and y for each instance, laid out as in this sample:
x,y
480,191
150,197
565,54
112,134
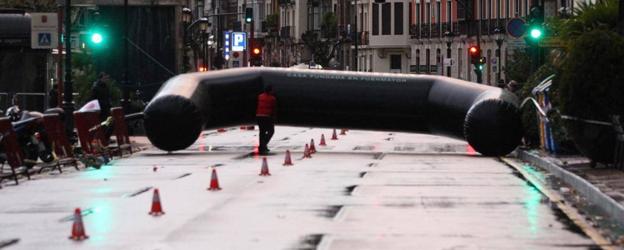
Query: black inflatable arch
x,y
486,117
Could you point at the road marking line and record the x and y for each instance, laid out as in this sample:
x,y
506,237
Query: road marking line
x,y
557,199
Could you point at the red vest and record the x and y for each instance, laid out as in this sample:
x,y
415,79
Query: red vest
x,y
266,105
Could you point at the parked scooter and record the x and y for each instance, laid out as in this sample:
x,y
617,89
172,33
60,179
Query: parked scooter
x,y
31,135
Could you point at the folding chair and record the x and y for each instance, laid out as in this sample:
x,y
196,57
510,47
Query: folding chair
x,y
14,155
121,131
90,135
58,138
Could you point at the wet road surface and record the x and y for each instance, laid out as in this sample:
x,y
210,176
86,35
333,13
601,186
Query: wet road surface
x,y
367,190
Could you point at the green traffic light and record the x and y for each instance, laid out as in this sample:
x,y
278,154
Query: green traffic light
x,y
536,33
96,38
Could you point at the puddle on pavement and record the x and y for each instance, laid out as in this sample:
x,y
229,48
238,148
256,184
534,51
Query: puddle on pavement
x,y
309,242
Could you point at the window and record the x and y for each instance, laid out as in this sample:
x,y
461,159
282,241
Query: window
x,y
449,12
411,14
428,13
418,21
460,62
427,60
417,60
489,9
461,11
395,62
385,19
438,11
370,63
375,19
398,18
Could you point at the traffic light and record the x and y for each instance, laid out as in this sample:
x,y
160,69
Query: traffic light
x,y
248,15
475,54
96,38
255,54
481,63
535,31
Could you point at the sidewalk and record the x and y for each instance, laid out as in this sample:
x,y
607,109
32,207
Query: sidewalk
x,y
602,187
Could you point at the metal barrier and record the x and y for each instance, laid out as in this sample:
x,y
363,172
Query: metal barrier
x,y
618,155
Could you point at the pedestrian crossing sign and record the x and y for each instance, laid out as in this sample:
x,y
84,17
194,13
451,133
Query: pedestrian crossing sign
x,y
45,39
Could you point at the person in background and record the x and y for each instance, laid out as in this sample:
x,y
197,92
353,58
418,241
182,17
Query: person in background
x,y
101,92
265,114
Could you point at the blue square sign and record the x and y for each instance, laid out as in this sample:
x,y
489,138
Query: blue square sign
x,y
45,39
239,41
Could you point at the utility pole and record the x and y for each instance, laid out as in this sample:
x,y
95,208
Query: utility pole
x,y
68,104
125,101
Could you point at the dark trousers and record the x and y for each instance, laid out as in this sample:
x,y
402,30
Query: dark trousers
x,y
265,124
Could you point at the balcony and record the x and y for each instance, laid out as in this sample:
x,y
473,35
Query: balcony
x,y
414,31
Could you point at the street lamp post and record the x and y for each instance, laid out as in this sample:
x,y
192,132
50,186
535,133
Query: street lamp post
x,y
68,103
499,37
449,40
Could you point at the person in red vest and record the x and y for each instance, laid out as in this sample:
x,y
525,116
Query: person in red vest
x,y
265,113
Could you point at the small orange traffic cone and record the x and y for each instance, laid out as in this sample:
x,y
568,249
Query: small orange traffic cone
x,y
312,147
78,231
287,160
214,181
343,131
221,130
470,150
334,136
156,207
306,152
264,171
322,143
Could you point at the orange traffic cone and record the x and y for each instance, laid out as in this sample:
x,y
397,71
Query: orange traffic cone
x,y
334,136
306,152
156,207
221,130
312,147
343,131
322,143
264,171
470,150
214,181
287,160
78,231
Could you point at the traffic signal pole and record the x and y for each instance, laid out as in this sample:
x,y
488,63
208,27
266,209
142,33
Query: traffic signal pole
x,y
68,103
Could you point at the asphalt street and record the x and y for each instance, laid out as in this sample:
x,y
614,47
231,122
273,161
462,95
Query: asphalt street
x,y
366,190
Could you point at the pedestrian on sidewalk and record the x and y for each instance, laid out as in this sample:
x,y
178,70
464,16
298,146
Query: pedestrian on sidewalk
x,y
265,115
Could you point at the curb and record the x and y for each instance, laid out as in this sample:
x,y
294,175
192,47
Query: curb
x,y
607,204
